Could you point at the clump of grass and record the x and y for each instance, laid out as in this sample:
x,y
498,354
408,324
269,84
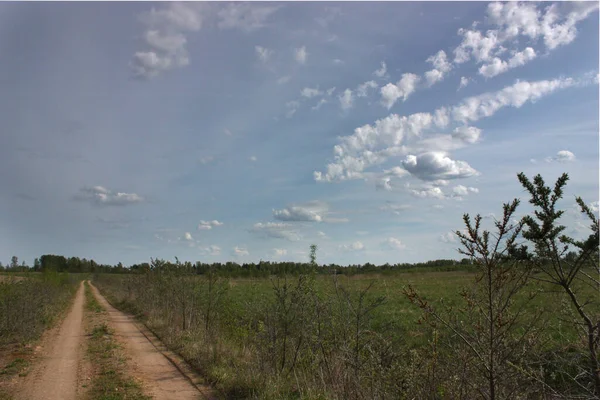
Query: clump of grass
x,y
90,301
16,366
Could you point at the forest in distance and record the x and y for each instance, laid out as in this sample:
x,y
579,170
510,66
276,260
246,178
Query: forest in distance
x,y
517,317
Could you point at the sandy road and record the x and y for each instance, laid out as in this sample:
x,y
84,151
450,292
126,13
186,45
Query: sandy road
x,y
55,377
159,377
59,372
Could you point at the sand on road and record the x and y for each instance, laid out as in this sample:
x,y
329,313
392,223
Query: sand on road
x,y
56,376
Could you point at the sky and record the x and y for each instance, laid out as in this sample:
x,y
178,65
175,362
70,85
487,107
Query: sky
x,y
248,131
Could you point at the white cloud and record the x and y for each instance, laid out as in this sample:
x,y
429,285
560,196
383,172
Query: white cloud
x,y
283,79
485,105
394,243
461,190
227,132
292,107
382,71
212,250
208,225
384,184
253,158
321,234
498,66
363,89
240,251
432,192
346,99
437,165
311,92
563,156
449,237
301,55
337,61
395,208
441,67
102,196
468,134
356,246
313,211
396,136
276,230
319,104
188,236
555,24
279,252
264,54
464,81
244,16
390,93
165,38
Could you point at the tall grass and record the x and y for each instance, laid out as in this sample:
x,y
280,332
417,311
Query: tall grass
x,y
30,303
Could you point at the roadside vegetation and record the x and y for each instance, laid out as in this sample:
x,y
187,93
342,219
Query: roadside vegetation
x,y
109,380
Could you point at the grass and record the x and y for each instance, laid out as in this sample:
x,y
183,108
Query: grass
x,y
229,360
110,380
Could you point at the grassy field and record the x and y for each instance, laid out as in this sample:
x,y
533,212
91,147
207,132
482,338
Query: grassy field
x,y
330,336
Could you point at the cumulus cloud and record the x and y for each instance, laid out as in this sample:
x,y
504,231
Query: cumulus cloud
x,y
263,54
346,99
395,208
212,250
390,93
101,196
279,252
461,191
432,192
498,66
301,55
441,66
292,107
275,230
437,165
394,243
208,225
554,24
165,38
356,246
464,81
449,237
400,136
563,156
382,71
314,211
521,92
311,92
240,251
363,89
468,134
245,16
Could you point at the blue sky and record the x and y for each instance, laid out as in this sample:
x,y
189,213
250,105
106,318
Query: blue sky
x,y
248,131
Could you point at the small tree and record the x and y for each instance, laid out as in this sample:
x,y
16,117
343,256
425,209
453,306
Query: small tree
x,y
552,257
313,255
492,329
14,262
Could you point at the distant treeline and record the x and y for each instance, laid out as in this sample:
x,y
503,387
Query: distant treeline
x,y
50,262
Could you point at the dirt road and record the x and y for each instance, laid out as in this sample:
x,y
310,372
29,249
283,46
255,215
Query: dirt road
x,y
55,377
160,378
59,373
